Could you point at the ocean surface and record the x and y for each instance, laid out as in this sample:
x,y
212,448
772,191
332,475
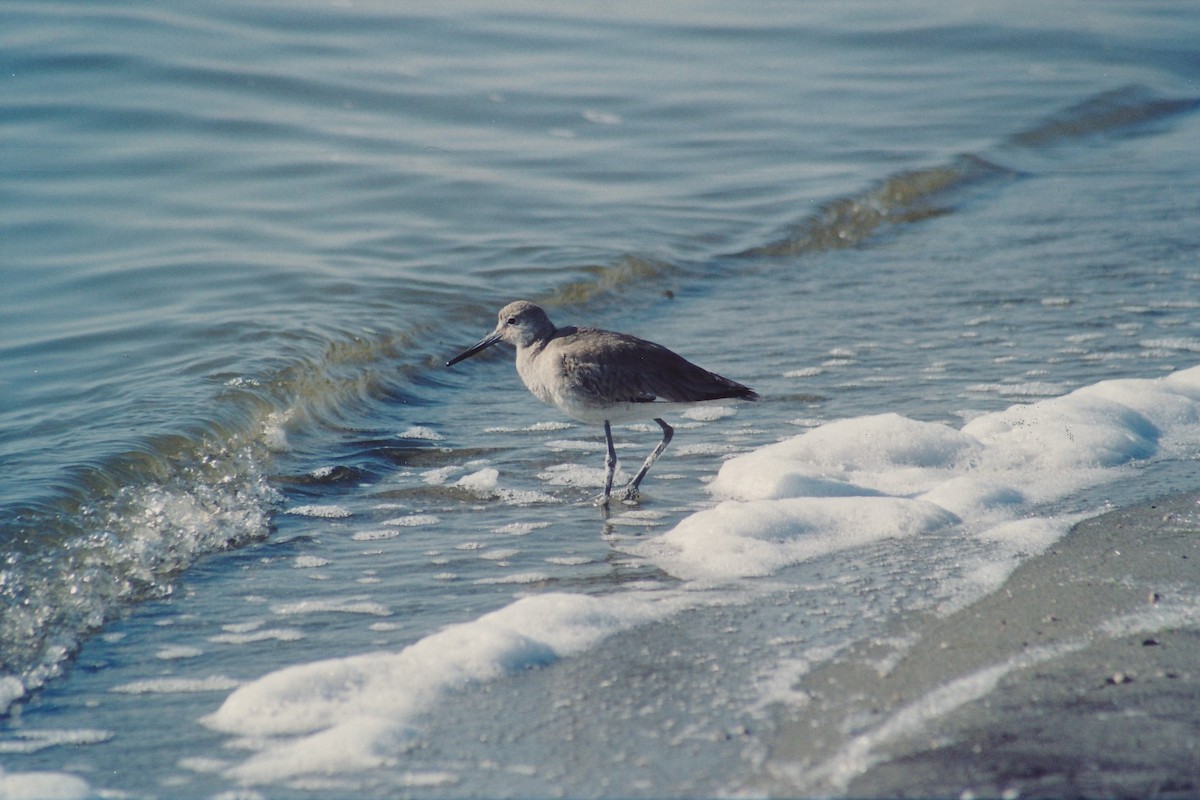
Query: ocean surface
x,y
259,541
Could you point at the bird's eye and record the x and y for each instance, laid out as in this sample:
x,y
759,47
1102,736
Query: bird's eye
x,y
512,321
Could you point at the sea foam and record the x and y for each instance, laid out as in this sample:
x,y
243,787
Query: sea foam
x,y
854,481
846,484
358,712
43,786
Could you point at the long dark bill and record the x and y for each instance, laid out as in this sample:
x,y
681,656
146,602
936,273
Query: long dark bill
x,y
483,344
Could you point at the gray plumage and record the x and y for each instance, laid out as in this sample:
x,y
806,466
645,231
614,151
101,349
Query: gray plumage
x,y
601,376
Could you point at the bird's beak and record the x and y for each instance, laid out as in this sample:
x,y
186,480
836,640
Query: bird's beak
x,y
483,344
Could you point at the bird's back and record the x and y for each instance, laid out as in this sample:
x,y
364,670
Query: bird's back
x,y
598,368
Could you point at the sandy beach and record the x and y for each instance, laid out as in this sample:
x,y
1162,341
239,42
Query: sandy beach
x,y
1078,678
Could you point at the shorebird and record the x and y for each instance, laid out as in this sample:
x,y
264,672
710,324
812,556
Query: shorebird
x,y
594,375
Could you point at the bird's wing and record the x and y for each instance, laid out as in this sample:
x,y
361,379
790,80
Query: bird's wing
x,y
623,368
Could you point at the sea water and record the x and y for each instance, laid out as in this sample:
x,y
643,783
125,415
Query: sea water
x,y
259,539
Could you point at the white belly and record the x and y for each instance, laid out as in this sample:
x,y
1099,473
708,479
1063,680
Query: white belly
x,y
616,412
544,380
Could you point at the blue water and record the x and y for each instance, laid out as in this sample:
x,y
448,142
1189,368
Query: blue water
x,y
238,242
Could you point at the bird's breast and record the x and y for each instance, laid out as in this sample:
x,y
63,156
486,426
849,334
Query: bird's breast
x,y
540,376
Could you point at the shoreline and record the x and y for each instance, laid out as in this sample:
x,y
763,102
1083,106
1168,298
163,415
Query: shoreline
x,y
1078,677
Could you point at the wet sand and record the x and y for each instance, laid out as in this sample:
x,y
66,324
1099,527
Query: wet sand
x,y
1080,677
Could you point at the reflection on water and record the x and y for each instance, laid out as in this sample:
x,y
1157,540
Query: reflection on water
x,y
240,242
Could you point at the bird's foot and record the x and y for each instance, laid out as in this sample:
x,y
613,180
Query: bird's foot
x,y
630,496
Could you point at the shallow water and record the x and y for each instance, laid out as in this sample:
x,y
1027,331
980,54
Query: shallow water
x,y
241,241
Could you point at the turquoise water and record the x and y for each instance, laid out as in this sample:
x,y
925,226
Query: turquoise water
x,y
239,241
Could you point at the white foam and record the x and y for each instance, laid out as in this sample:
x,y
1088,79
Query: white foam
x,y
866,456
384,627
709,413
705,449
421,432
638,518
577,475
43,786
514,578
11,690
500,554
358,712
757,538
534,428
482,482
258,635
322,511
438,476
806,372
582,445
1056,301
413,521
429,779
175,652
979,494
337,605
601,117
32,740
202,765
374,536
1022,389
1186,345
275,431
854,481
520,528
485,484
213,683
569,561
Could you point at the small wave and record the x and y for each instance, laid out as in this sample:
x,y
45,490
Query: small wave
x,y
120,529
1121,110
628,271
908,197
127,526
916,195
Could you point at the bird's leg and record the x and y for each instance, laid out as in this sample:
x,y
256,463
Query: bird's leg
x,y
631,492
610,465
